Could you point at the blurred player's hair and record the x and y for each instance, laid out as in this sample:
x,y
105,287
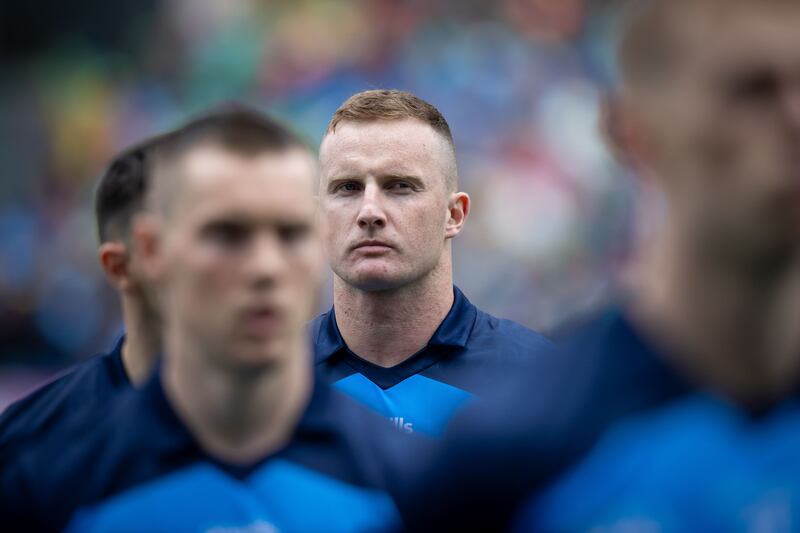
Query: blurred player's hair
x,y
389,104
235,128
239,129
122,188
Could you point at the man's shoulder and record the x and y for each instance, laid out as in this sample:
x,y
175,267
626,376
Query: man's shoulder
x,y
513,337
87,385
74,465
494,325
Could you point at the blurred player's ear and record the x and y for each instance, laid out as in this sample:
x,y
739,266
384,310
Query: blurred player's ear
x,y
459,211
621,132
146,242
114,259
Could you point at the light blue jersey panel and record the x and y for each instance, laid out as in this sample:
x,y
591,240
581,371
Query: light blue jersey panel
x,y
696,465
417,404
307,500
281,496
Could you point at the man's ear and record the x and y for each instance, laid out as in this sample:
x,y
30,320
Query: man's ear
x,y
458,210
114,259
622,132
146,232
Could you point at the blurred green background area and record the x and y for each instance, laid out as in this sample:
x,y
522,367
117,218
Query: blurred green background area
x,y
520,82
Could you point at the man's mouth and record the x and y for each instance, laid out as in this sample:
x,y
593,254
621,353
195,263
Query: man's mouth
x,y
372,246
262,320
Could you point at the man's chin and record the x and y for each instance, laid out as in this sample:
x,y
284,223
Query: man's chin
x,y
376,283
253,354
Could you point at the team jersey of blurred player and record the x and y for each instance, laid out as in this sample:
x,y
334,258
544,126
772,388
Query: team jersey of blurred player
x,y
470,352
140,469
85,389
611,438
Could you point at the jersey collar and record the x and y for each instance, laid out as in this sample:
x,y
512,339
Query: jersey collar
x,y
450,337
454,330
164,432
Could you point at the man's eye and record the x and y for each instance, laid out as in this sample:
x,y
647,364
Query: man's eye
x,y
349,186
293,234
756,87
227,234
400,186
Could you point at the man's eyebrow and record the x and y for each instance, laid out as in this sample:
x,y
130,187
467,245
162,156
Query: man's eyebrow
x,y
401,176
415,180
227,218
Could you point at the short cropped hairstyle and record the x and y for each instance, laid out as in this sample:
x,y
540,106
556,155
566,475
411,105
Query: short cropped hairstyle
x,y
389,104
121,191
238,129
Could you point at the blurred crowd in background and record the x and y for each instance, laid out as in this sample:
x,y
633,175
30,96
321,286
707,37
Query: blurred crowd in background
x,y
520,82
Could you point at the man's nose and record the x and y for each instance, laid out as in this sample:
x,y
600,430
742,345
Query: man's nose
x,y
266,262
371,215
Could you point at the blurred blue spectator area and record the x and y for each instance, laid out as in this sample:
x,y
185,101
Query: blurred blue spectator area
x,y
520,81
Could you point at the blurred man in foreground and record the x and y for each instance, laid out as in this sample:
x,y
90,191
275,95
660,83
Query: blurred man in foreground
x,y
678,409
90,386
401,338
231,433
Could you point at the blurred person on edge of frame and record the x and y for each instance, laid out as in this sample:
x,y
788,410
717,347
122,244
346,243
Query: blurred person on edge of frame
x,y
90,385
675,409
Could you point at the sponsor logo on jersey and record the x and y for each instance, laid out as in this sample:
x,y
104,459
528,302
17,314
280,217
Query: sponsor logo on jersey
x,y
401,424
255,527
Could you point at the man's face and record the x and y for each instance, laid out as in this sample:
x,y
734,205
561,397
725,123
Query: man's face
x,y
724,128
240,263
384,202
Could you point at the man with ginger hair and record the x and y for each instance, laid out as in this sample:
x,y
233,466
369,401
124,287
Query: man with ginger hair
x,y
677,408
401,338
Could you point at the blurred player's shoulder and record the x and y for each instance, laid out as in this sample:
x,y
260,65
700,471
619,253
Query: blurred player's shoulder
x,y
545,418
138,440
589,324
610,362
86,387
45,479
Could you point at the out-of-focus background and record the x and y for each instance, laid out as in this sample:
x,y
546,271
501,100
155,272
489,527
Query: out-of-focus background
x,y
520,82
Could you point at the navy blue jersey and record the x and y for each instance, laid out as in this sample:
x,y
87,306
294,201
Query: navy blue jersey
x,y
139,469
470,352
84,389
605,437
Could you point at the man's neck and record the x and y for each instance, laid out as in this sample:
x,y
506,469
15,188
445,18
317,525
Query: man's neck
x,y
731,328
387,327
142,339
239,415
